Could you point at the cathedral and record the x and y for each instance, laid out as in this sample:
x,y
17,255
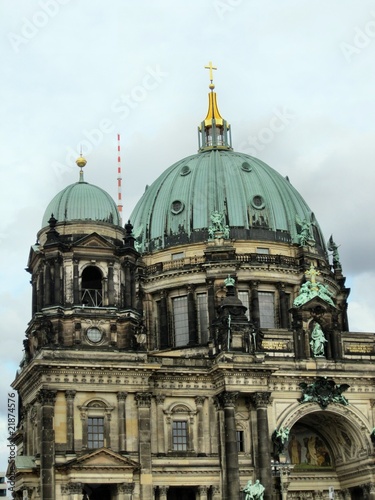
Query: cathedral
x,y
201,351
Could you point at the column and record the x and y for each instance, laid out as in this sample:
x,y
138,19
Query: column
x,y
34,300
216,493
160,424
192,317
199,401
76,295
143,400
202,492
163,492
254,304
46,399
57,285
284,306
40,290
346,494
211,302
261,401
371,491
284,481
75,491
69,396
121,398
232,484
125,491
128,285
111,285
163,321
47,284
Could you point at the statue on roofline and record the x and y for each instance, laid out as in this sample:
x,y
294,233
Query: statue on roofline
x,y
305,235
218,228
332,247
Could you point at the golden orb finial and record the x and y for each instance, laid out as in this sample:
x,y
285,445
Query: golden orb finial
x,y
81,161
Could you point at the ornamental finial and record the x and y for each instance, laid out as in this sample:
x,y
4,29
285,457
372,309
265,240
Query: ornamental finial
x,y
81,162
210,67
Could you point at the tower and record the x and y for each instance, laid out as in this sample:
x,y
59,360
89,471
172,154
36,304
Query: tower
x,y
204,345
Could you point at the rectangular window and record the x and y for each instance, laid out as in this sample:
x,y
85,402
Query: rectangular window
x,y
95,432
3,493
202,312
240,441
264,251
267,309
243,295
181,321
179,435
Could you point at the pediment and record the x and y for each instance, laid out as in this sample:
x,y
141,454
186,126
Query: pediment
x,y
314,303
101,459
94,240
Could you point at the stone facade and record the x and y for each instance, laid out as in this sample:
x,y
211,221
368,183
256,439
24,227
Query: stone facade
x,y
171,374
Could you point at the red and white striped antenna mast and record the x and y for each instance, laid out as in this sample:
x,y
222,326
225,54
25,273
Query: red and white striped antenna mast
x,y
119,179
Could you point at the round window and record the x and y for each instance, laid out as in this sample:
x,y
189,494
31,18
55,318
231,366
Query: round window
x,y
246,167
258,202
94,334
177,207
185,170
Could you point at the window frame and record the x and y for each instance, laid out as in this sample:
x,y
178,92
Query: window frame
x,y
269,293
176,414
180,314
96,408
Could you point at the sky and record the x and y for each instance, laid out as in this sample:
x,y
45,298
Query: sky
x,y
295,79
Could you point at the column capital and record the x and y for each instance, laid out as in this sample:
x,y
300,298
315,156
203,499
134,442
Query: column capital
x,y
46,397
121,396
143,399
199,400
125,488
260,399
70,395
227,399
160,398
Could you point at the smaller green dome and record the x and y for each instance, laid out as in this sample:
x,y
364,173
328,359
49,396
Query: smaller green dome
x,y
82,202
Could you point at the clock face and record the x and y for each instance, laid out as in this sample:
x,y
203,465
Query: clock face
x,y
94,334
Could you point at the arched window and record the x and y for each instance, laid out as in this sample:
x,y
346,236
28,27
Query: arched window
x,y
95,416
180,419
92,293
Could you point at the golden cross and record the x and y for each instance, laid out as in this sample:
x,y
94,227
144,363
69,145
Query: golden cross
x,y
312,273
210,67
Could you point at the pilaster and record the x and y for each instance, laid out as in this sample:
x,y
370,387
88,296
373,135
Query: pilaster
x,y
121,398
47,399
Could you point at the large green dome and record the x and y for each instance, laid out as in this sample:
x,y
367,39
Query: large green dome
x,y
257,202
82,202
252,201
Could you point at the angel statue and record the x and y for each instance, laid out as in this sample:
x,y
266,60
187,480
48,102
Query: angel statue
x,y
305,236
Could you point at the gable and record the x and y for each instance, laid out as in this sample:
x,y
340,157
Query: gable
x,y
94,240
102,458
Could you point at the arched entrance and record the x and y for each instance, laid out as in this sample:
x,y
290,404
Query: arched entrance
x,y
326,448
